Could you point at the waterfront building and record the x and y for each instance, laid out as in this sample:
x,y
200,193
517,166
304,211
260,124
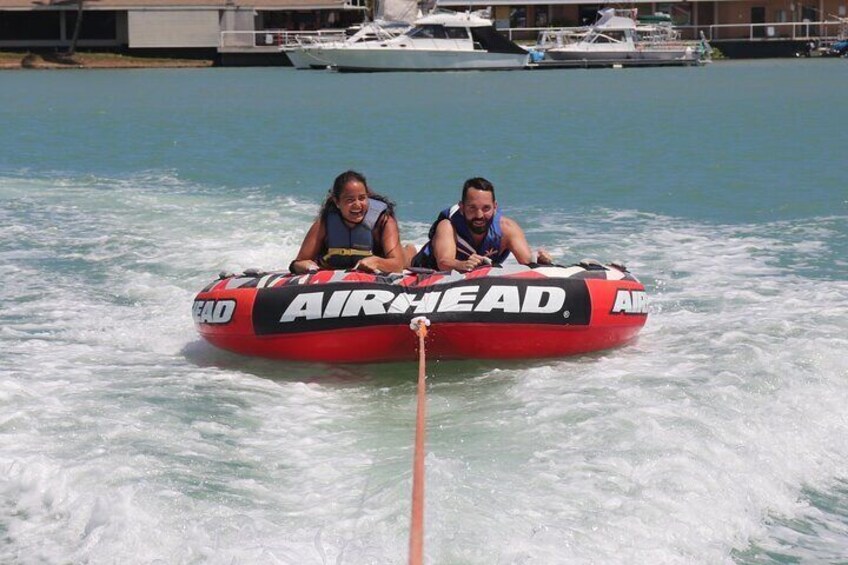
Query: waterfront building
x,y
251,31
184,27
743,28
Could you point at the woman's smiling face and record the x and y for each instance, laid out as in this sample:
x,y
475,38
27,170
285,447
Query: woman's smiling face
x,y
353,202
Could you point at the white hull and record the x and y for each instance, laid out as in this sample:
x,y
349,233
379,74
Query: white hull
x,y
389,59
308,52
298,58
576,53
307,57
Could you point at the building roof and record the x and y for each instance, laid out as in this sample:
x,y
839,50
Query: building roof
x,y
480,4
176,4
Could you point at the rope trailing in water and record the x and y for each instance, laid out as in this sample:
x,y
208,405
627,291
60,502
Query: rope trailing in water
x,y
416,530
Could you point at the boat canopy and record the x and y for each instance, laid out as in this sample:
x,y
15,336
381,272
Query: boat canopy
x,y
492,41
454,19
454,25
609,20
404,11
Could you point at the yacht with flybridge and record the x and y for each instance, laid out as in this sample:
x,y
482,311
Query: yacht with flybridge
x,y
618,38
440,41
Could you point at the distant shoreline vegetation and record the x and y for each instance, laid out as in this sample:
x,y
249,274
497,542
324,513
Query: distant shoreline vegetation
x,y
12,60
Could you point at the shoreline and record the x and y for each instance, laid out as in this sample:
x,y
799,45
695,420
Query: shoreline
x,y
11,60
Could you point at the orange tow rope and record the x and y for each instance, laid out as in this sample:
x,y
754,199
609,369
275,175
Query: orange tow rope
x,y
416,531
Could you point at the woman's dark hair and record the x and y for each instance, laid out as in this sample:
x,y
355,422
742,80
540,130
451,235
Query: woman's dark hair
x,y
346,177
478,183
338,186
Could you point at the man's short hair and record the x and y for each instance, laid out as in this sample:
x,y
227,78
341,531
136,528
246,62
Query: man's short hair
x,y
478,183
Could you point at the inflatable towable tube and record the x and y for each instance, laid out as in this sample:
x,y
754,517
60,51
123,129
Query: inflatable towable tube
x,y
490,313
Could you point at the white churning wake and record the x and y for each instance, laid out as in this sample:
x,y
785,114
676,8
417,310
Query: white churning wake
x,y
123,438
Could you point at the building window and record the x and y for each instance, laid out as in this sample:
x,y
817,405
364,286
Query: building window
x,y
29,25
518,17
95,25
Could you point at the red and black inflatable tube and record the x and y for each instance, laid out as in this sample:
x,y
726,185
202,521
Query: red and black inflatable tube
x,y
490,313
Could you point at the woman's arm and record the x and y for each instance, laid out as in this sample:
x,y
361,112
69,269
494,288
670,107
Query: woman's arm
x,y
309,249
393,261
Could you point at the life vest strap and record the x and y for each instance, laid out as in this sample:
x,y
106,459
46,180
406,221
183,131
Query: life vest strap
x,y
346,252
465,246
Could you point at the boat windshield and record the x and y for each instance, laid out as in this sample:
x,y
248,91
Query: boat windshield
x,y
608,36
457,32
428,31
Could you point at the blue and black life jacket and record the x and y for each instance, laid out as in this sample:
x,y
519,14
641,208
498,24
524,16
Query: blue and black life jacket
x,y
345,246
489,247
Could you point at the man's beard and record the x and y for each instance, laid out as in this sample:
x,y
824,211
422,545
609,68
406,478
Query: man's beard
x,y
479,229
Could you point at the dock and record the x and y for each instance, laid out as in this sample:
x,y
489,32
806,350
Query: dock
x,y
612,64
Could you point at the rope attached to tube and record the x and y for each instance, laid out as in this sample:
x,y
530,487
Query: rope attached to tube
x,y
416,531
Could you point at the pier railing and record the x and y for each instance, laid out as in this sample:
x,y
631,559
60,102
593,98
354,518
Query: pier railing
x,y
824,32
268,40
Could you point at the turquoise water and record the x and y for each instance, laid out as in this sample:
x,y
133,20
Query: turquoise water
x,y
718,437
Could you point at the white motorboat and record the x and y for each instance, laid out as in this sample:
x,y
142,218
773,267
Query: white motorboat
x,y
306,52
618,38
441,41
392,18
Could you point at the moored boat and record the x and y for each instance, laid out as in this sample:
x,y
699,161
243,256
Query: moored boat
x,y
440,41
490,313
307,51
617,38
